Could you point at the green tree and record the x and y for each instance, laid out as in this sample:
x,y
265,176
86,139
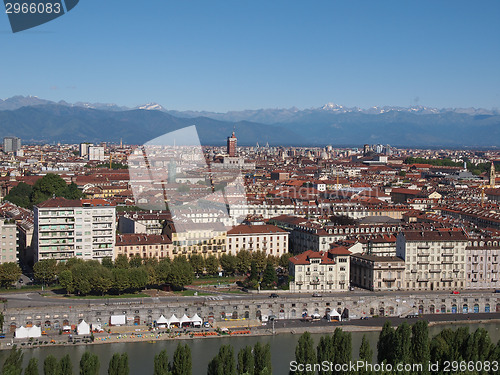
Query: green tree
x,y
182,361
269,278
48,186
50,365
20,195
89,364
325,352
386,344
403,344
101,279
65,365
212,265
121,261
135,261
72,192
243,261
9,274
246,363
161,366
420,345
66,281
197,262
45,270
107,262
2,320
228,263
285,261
223,363
181,273
305,353
163,270
13,365
260,259
262,359
365,354
138,278
82,277
121,280
32,368
118,364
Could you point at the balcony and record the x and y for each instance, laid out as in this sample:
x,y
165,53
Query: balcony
x,y
314,282
330,282
447,262
447,254
389,279
423,247
422,280
423,262
413,271
423,254
456,270
434,271
300,282
446,279
447,247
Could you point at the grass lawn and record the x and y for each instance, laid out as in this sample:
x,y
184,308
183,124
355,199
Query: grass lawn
x,y
190,293
216,280
106,296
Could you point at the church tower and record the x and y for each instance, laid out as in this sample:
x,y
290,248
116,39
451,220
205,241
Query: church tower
x,y
492,175
231,145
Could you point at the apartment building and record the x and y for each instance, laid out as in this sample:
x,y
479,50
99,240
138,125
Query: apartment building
x,y
74,228
320,271
377,273
268,238
434,260
144,245
197,238
482,268
8,238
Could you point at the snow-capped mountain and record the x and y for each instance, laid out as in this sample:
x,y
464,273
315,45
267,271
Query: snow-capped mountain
x,y
151,107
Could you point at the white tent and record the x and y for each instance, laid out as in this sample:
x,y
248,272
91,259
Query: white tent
x,y
118,320
83,328
162,322
173,320
35,331
197,321
185,319
21,332
334,315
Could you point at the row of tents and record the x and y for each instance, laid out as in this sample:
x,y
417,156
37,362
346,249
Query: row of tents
x,y
83,328
184,321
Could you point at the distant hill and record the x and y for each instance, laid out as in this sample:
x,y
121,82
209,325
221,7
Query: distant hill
x,y
38,120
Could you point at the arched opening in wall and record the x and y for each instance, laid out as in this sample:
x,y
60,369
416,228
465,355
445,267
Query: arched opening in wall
x,y
223,315
304,313
372,311
454,309
443,309
247,314
293,313
432,309
465,308
29,323
150,319
38,323
327,311
47,324
421,309
270,312
57,325
339,310
80,320
476,308
258,314
65,322
487,307
137,320
391,310
316,311
281,314
235,315
381,311
13,327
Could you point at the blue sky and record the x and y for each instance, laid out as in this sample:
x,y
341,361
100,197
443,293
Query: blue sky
x,y
243,54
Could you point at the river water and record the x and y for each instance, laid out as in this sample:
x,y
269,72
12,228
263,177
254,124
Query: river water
x,y
141,354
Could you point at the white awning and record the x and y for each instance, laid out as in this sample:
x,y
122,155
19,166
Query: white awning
x,y
185,319
162,320
118,320
21,332
83,328
197,321
173,320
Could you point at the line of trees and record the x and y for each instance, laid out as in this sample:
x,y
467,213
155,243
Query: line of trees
x,y
10,272
402,345
133,274
250,361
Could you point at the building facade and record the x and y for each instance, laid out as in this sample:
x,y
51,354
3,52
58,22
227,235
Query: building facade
x,y
11,144
143,245
482,258
8,238
320,271
268,238
66,228
434,260
377,273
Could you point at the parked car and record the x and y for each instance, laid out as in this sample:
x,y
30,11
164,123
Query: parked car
x,y
497,291
317,295
412,315
273,295
455,292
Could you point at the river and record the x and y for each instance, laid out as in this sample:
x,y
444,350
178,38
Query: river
x,y
203,350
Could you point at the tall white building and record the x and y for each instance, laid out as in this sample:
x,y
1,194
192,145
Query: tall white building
x,y
267,238
11,144
8,241
96,153
66,228
434,260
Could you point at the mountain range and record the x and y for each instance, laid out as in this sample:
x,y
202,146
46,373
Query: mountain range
x,y
39,120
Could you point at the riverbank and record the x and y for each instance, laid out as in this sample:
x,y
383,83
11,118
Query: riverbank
x,y
133,334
